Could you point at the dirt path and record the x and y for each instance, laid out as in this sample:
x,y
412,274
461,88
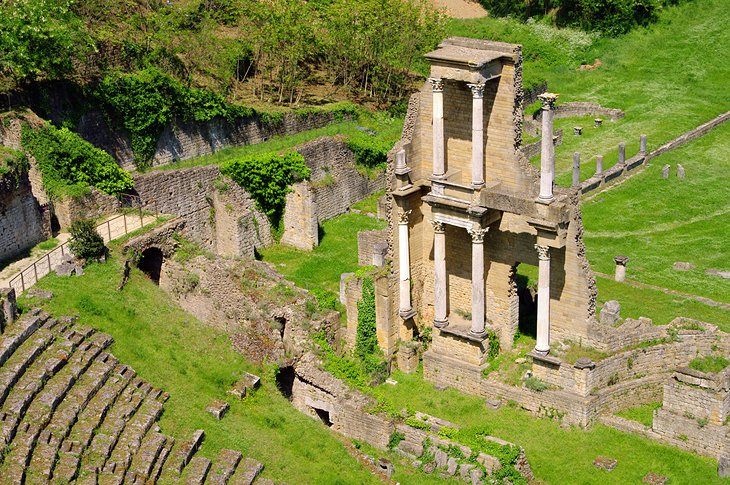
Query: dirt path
x,y
460,9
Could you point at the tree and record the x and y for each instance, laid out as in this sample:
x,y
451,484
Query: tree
x,y
87,243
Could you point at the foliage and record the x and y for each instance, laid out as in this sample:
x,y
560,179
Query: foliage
x,y
13,164
395,438
39,39
86,242
535,384
366,340
326,300
341,367
370,151
267,178
70,164
710,364
493,340
414,422
147,100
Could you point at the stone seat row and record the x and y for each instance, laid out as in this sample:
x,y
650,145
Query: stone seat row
x,y
70,412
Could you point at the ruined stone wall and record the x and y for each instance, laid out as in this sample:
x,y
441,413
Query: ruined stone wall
x,y
181,140
89,206
301,228
367,242
23,222
580,108
687,434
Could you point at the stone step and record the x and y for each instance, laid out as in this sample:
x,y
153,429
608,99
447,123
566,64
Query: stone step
x,y
144,460
41,410
181,456
88,421
18,332
196,471
224,466
44,455
113,425
33,380
161,460
130,440
24,356
246,472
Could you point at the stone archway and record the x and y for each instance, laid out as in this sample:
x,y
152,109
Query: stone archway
x,y
151,263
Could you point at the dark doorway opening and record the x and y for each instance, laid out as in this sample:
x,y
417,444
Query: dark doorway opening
x,y
151,263
527,294
324,416
285,381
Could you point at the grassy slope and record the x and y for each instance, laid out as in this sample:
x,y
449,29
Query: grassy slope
x,y
557,455
196,364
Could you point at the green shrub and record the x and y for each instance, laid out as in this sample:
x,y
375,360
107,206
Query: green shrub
x,y
414,422
370,151
326,300
69,164
711,363
366,340
535,384
87,243
395,438
267,177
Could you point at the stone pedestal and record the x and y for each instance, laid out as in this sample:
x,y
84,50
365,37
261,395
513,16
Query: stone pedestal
x,y
543,300
438,127
440,319
477,135
621,262
547,152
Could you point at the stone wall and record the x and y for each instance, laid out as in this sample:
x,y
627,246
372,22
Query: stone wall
x,y
181,140
578,108
301,228
90,206
23,222
369,247
533,149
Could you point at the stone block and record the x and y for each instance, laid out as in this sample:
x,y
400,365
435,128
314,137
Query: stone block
x,y
717,272
680,171
343,286
386,467
439,457
489,462
247,383
218,408
380,253
407,357
465,470
723,467
494,404
682,266
477,476
611,313
655,479
605,463
451,466
665,171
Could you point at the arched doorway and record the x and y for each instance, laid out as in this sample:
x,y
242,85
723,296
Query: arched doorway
x,y
151,263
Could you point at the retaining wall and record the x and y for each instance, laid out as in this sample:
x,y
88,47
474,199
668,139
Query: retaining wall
x,y
23,222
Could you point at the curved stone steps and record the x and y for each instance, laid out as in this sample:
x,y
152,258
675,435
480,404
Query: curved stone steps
x,y
18,332
146,458
88,385
223,467
180,456
196,471
88,421
42,408
165,453
246,472
33,380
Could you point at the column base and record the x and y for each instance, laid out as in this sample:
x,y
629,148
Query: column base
x,y
440,323
477,185
479,335
541,351
545,199
406,314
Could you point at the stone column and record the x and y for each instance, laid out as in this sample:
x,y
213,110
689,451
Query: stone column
x,y
405,308
438,126
576,169
621,262
642,144
477,282
543,300
547,152
599,165
477,135
621,152
440,320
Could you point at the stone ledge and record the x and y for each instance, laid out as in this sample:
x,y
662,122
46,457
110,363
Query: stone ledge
x,y
462,333
545,359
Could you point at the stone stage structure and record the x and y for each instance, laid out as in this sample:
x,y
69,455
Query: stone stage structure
x,y
468,208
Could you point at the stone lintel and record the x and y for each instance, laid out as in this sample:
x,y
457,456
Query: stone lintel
x,y
549,233
440,200
545,359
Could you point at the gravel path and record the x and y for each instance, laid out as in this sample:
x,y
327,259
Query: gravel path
x,y
460,9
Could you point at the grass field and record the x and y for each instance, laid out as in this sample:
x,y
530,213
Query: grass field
x,y
196,364
557,455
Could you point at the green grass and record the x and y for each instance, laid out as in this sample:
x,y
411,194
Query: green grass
x,y
48,244
643,414
557,455
336,253
196,364
369,205
387,128
711,363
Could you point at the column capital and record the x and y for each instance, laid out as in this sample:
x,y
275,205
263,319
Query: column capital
x,y
548,100
438,227
403,216
621,260
437,84
477,90
543,253
477,235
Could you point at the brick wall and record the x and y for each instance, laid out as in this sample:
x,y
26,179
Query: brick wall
x,y
23,222
90,206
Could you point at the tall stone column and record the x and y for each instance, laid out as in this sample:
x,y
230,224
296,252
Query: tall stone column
x,y
477,282
438,126
477,135
547,152
543,300
405,308
440,320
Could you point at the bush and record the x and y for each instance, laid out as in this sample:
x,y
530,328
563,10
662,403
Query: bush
x,y
366,339
267,178
326,300
87,243
535,384
370,151
70,164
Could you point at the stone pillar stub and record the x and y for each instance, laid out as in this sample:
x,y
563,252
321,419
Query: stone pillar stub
x,y
478,312
642,144
543,300
599,165
440,319
621,262
621,153
547,152
477,135
576,169
437,86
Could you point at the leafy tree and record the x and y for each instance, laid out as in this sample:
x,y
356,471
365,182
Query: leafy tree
x,y
87,243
